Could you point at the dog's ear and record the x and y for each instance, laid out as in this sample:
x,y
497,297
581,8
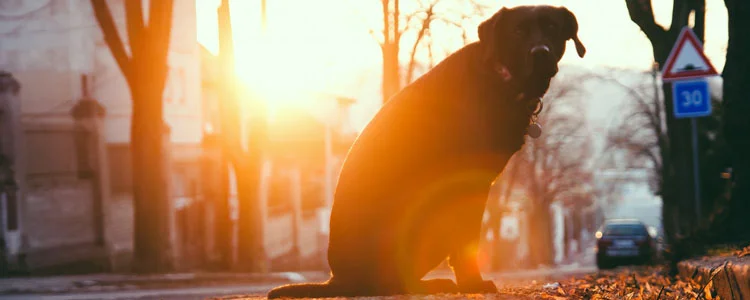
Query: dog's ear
x,y
571,30
486,32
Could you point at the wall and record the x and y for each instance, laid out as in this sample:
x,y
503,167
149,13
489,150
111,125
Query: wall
x,y
51,43
58,222
47,45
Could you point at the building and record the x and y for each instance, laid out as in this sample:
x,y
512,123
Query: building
x,y
303,155
56,53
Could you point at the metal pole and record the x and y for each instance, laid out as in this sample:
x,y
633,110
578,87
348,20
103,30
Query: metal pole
x,y
696,168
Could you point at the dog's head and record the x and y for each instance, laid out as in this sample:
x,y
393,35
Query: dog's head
x,y
525,43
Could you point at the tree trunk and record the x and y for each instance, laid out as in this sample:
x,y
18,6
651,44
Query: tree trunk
x,y
541,236
222,222
736,112
251,253
146,73
152,242
390,49
677,158
246,165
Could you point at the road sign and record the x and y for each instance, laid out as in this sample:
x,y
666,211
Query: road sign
x,y
691,98
687,60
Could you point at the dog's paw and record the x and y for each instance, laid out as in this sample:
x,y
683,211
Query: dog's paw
x,y
478,287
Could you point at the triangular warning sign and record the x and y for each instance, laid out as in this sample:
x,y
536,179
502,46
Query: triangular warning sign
x,y
687,60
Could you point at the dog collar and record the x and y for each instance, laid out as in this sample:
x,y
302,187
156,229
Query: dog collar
x,y
535,106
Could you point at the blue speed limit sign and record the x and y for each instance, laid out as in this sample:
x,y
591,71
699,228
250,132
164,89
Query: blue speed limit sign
x,y
691,98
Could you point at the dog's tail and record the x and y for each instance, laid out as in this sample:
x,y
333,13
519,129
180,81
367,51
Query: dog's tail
x,y
328,289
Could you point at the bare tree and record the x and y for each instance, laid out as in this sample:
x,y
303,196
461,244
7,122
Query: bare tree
x,y
555,163
396,23
546,168
245,163
640,134
145,71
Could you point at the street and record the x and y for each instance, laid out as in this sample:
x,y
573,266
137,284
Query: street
x,y
578,279
257,291
558,283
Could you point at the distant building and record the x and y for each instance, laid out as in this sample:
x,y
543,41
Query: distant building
x,y
48,46
303,156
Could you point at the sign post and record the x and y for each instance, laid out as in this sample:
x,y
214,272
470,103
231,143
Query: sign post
x,y
687,67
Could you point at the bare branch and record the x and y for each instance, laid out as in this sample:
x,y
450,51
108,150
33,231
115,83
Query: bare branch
x,y
134,21
425,26
396,16
642,14
111,37
699,28
386,23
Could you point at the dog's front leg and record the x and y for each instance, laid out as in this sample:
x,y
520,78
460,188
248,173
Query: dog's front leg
x,y
465,267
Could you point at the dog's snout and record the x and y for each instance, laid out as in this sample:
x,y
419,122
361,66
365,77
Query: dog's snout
x,y
541,50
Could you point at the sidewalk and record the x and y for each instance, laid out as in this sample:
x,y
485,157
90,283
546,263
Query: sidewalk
x,y
728,276
117,282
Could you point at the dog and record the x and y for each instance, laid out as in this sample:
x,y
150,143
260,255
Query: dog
x,y
413,187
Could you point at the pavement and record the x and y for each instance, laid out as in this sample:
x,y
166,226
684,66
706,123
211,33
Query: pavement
x,y
130,286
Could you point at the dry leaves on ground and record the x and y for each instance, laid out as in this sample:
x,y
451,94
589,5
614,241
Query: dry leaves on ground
x,y
624,283
743,252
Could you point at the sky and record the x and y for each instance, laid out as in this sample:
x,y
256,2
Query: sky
x,y
327,45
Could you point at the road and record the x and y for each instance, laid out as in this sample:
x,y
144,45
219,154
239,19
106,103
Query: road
x,y
258,291
582,266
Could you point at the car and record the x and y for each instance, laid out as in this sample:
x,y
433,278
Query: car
x,y
619,241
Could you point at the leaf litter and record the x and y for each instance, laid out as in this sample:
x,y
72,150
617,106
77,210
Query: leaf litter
x,y
631,283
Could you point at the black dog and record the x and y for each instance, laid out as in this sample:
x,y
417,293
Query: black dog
x,y
413,188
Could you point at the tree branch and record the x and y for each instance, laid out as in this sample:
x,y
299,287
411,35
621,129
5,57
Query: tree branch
x,y
699,27
396,16
425,26
680,14
160,26
111,37
642,14
386,23
134,22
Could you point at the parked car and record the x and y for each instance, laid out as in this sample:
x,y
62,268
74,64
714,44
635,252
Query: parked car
x,y
621,241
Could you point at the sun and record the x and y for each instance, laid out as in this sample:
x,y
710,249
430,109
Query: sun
x,y
291,58
308,48
273,73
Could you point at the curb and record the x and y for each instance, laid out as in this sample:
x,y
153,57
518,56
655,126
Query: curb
x,y
729,275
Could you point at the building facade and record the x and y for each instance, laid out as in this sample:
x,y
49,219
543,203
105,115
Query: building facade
x,y
55,51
